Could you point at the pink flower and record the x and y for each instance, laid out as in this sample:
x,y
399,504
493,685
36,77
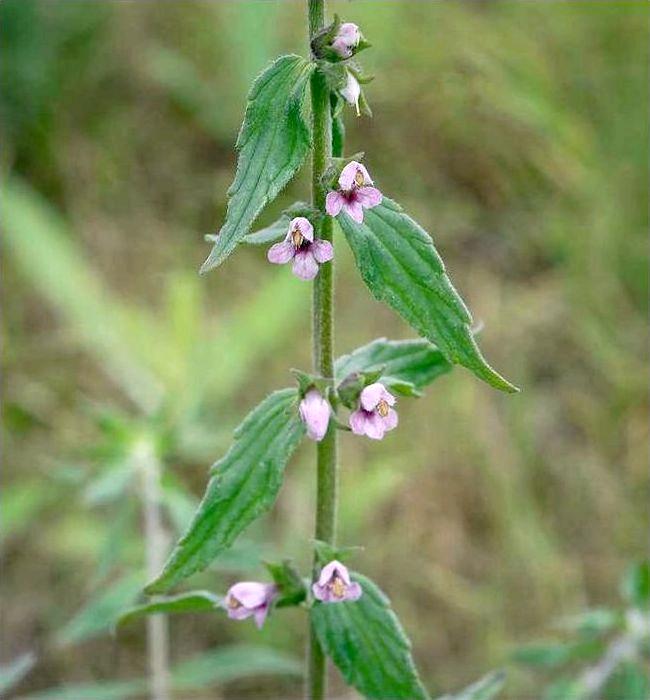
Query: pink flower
x,y
315,414
346,40
354,194
352,92
334,584
299,245
250,598
375,415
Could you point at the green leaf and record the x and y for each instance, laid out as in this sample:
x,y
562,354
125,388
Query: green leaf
x,y
628,682
636,584
12,674
484,689
99,615
244,485
232,663
553,655
368,644
566,689
192,601
592,622
272,144
401,267
417,362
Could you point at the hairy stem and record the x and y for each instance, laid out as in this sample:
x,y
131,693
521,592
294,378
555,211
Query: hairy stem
x,y
155,548
323,340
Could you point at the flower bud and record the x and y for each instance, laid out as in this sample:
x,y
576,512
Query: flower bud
x,y
315,414
346,40
352,92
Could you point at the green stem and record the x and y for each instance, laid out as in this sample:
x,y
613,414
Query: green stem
x,y
323,340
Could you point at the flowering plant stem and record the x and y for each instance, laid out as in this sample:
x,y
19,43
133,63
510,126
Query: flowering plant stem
x,y
323,340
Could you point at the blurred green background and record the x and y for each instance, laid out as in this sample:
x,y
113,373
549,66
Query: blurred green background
x,y
516,132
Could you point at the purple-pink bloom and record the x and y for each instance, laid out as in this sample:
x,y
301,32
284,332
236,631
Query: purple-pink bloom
x,y
347,39
315,414
299,245
354,194
250,598
334,584
375,415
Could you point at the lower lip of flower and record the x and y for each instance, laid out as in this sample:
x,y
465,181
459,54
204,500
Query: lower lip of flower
x,y
383,408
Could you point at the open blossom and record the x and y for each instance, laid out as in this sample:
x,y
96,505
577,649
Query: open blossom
x,y
250,598
352,92
375,415
347,39
299,245
354,194
334,584
315,414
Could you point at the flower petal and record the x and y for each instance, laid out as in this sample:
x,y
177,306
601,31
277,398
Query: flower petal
x,y
305,265
315,414
391,420
369,196
373,394
349,32
358,421
354,592
334,203
346,178
281,253
375,428
320,592
342,47
260,615
322,250
239,613
304,226
354,210
251,594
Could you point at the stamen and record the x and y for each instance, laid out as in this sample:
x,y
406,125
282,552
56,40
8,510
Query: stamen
x,y
358,178
383,408
338,587
233,603
297,238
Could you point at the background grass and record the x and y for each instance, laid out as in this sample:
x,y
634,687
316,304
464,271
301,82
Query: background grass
x,y
516,132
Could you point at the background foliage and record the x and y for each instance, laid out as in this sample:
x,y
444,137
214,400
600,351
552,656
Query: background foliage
x,y
515,132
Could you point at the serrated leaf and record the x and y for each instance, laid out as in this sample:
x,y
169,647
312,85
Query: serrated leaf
x,y
417,362
484,689
243,486
400,265
192,601
273,142
369,646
